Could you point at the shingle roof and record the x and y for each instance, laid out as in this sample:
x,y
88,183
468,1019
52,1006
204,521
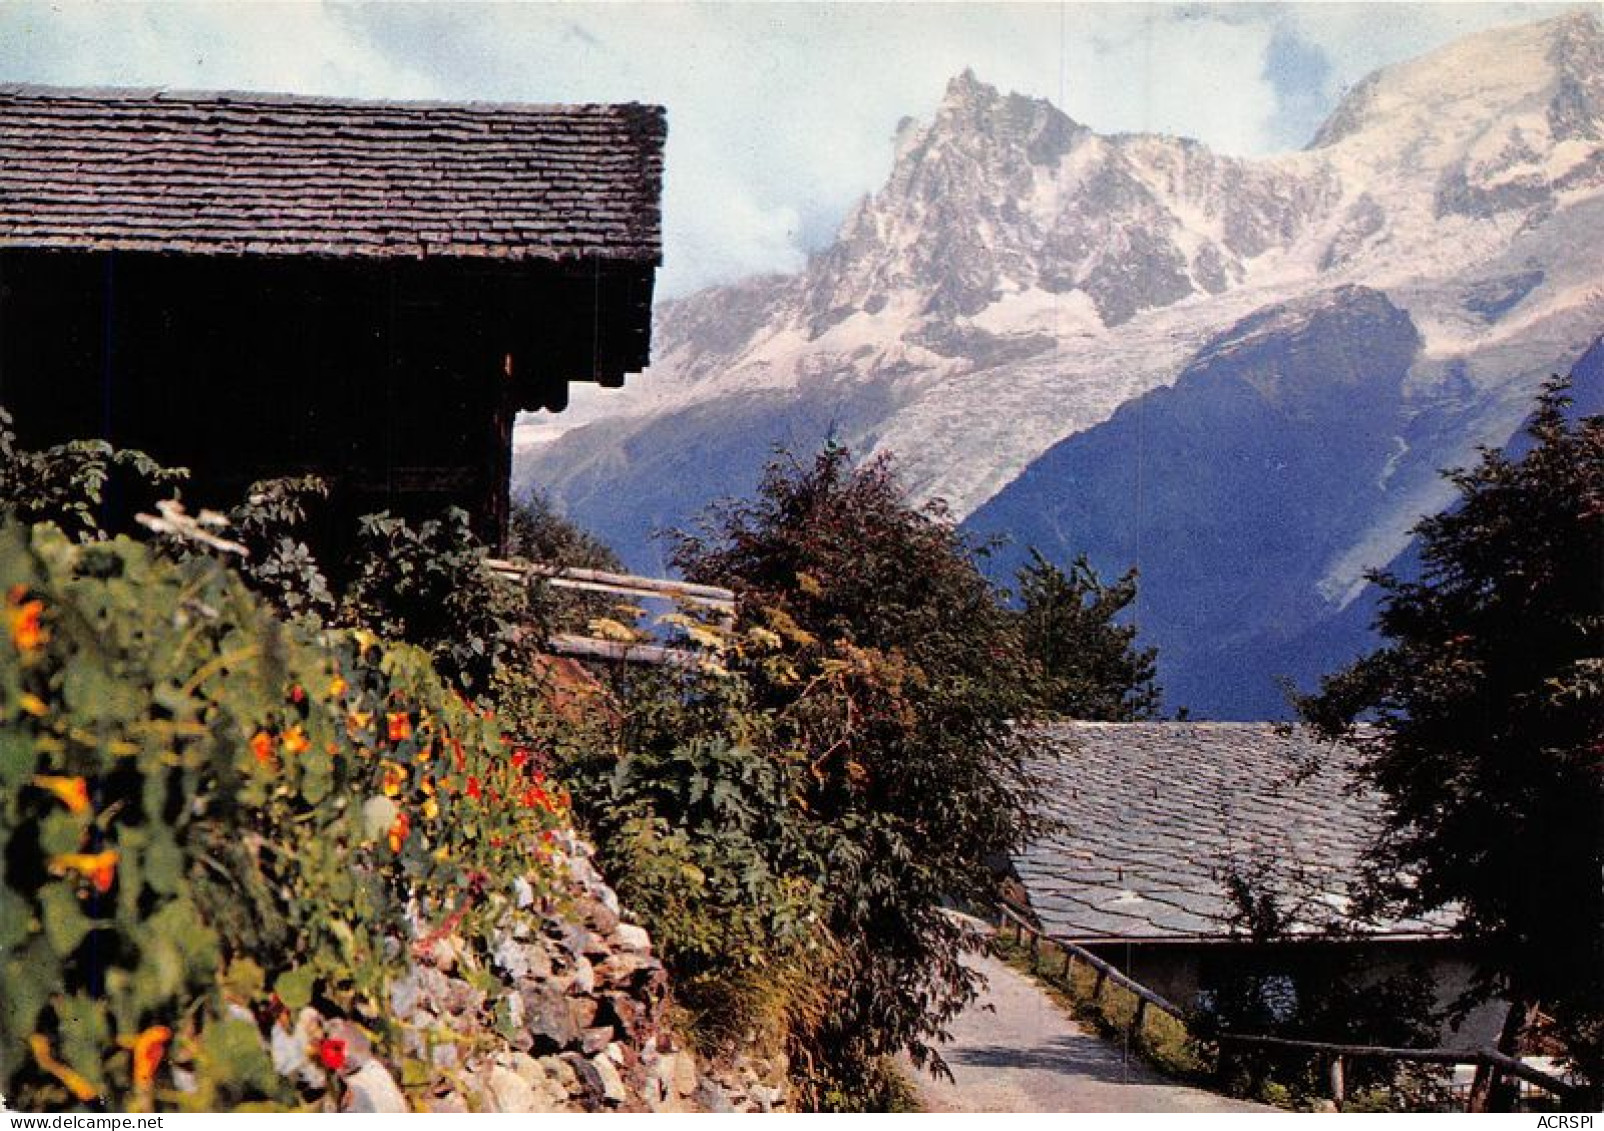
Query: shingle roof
x,y
1154,815
278,175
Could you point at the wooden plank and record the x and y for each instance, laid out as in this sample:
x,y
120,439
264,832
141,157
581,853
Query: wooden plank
x,y
602,581
593,649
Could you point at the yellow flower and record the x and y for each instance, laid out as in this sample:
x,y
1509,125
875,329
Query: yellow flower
x,y
99,868
431,808
71,792
358,722
75,1083
295,741
148,1048
337,687
34,705
395,778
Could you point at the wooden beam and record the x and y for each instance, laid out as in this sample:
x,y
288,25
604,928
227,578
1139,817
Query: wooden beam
x,y
589,647
601,581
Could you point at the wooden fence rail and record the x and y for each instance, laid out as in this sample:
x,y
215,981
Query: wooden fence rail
x,y
1489,1058
622,585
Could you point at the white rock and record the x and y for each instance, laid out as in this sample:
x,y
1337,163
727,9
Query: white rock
x,y
510,1092
371,1089
630,937
612,1083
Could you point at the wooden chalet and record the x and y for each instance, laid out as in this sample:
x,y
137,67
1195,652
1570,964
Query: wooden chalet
x,y
254,285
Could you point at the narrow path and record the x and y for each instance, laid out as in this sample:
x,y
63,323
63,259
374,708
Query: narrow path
x,y
1014,1049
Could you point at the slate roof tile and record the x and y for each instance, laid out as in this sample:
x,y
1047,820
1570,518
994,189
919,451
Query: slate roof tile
x,y
1153,816
279,175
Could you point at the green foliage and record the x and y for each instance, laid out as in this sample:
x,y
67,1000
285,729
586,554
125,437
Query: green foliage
x,y
694,821
1486,703
429,585
1090,665
201,807
886,672
538,533
280,564
68,483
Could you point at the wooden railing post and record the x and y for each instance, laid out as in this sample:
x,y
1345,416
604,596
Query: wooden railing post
x,y
1136,1021
1339,1091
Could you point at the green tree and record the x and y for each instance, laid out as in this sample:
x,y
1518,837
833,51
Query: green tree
x,y
538,532
1090,666
892,690
1487,727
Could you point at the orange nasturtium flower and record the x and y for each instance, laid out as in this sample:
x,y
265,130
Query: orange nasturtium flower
x,y
99,868
400,726
295,741
75,1082
395,778
148,1048
71,792
262,747
27,633
397,836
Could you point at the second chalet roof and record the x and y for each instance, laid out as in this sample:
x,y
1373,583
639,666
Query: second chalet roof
x,y
1154,816
279,175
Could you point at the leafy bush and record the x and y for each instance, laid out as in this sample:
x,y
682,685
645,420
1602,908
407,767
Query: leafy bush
x,y
68,483
885,670
208,818
1285,983
694,819
429,585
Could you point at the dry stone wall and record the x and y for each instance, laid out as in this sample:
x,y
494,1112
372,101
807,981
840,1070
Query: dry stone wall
x,y
569,1014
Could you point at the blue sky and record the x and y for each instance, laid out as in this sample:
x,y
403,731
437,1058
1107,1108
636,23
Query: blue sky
x,y
780,115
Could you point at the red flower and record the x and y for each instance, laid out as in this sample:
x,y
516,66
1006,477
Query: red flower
x,y
297,695
519,757
262,748
473,788
331,1053
400,726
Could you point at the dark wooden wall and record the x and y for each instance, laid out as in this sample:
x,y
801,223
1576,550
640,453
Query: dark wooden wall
x,y
397,381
